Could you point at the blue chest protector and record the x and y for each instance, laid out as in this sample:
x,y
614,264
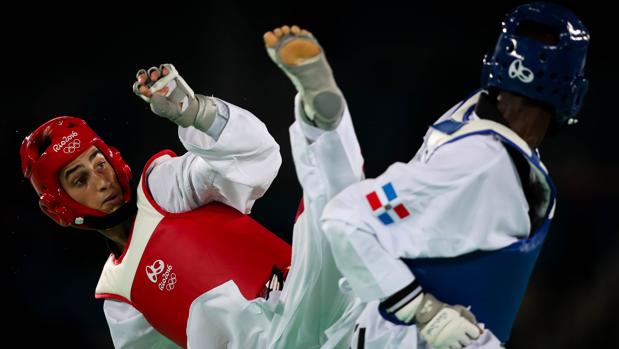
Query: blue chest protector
x,y
492,283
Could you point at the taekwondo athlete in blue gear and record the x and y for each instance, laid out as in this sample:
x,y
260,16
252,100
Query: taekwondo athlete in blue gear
x,y
465,219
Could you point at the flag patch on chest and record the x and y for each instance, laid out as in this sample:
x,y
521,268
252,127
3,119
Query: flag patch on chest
x,y
386,205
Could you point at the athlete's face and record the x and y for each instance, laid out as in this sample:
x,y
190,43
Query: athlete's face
x,y
91,181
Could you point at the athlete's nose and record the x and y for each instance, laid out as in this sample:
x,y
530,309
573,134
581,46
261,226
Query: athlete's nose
x,y
102,183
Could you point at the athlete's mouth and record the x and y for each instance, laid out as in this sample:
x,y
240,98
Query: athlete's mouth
x,y
113,199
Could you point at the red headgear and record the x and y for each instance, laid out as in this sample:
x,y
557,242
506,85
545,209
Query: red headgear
x,y
65,138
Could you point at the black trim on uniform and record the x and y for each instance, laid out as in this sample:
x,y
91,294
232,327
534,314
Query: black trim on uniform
x,y
401,294
361,338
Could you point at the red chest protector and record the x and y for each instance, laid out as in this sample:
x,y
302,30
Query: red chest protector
x,y
173,258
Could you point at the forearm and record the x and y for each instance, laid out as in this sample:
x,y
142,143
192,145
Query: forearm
x,y
244,152
370,270
232,157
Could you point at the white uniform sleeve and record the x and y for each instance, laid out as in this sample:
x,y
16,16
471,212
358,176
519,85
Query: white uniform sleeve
x,y
130,330
466,197
237,169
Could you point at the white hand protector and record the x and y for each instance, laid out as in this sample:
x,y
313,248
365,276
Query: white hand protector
x,y
441,325
179,104
444,326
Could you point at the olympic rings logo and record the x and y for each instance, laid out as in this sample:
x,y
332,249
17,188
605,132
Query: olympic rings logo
x,y
72,147
171,282
519,71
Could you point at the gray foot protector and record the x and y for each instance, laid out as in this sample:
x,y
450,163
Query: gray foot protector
x,y
323,102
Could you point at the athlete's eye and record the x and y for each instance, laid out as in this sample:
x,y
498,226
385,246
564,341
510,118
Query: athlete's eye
x,y
80,180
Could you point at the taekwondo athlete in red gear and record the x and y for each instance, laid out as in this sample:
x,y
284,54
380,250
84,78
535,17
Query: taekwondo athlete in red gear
x,y
190,247
327,158
463,222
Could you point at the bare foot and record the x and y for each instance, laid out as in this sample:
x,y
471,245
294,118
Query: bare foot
x,y
297,52
299,46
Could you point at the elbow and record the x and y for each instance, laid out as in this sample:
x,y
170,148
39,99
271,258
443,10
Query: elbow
x,y
335,234
277,161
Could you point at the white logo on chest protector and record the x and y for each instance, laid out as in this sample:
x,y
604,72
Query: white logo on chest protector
x,y
168,279
517,70
153,270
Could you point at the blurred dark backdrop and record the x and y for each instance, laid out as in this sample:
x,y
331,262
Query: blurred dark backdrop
x,y
400,69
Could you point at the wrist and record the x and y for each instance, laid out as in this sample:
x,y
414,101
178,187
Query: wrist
x,y
401,307
429,307
205,110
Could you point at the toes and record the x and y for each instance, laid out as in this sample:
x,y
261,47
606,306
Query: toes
x,y
270,40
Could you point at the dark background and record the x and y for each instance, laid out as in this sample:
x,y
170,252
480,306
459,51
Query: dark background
x,y
400,69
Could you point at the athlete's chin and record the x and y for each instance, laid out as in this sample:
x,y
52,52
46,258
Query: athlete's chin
x,y
111,208
112,203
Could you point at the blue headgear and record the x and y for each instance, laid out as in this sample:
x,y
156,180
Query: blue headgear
x,y
553,74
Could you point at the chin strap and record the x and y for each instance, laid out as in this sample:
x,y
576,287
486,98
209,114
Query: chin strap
x,y
111,220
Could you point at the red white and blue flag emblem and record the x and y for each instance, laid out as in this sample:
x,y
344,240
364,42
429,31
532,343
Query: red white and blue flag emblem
x,y
386,205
